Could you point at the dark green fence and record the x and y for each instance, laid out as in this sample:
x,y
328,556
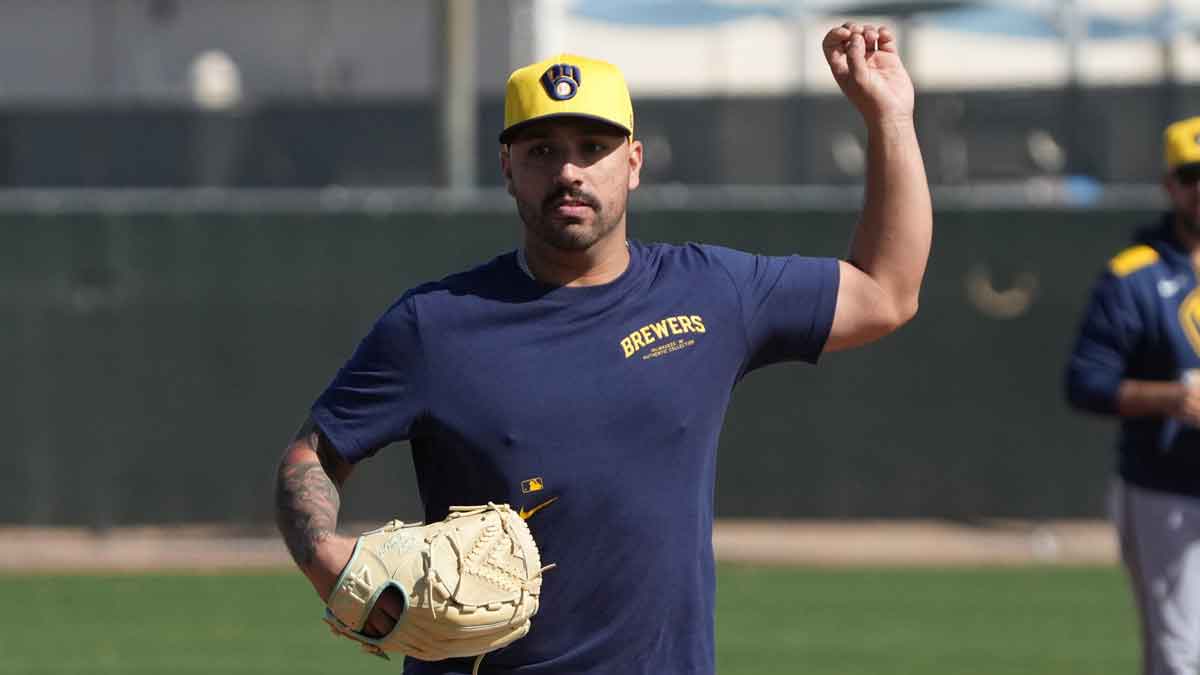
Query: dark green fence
x,y
155,366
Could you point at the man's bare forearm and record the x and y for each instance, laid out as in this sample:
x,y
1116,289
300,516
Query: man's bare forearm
x,y
307,499
1150,398
892,241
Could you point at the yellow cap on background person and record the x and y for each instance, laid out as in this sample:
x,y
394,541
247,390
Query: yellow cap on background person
x,y
1182,144
566,86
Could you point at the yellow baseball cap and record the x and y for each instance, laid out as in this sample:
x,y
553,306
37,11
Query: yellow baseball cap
x,y
566,86
1182,143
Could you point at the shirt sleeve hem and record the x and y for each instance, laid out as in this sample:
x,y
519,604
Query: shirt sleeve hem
x,y
826,307
343,441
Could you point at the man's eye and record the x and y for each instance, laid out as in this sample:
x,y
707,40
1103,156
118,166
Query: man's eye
x,y
540,151
593,147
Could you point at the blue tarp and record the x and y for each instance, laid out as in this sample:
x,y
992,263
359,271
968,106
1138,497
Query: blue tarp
x,y
986,16
671,12
1016,22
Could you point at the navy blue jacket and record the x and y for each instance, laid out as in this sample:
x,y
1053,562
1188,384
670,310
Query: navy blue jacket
x,y
1143,323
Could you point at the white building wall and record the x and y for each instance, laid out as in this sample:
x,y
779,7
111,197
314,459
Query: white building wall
x,y
87,50
75,50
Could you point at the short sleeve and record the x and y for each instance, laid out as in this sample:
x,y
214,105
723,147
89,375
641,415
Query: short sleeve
x,y
378,395
787,304
1110,329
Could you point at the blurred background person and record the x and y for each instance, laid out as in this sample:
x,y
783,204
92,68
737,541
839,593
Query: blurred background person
x,y
1138,358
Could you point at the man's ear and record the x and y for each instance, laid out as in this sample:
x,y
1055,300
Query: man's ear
x,y
635,163
506,168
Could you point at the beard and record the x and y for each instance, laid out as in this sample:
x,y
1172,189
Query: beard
x,y
1187,215
568,234
1188,223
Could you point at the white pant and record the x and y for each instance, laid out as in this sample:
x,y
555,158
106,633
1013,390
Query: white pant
x,y
1160,546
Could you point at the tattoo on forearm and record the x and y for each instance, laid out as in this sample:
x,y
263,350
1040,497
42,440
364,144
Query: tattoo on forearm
x,y
307,501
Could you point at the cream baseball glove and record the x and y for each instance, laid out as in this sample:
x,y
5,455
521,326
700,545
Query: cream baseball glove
x,y
470,584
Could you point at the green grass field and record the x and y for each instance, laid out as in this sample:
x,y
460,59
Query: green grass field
x,y
1019,621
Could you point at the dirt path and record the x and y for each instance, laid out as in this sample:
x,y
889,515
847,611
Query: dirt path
x,y
915,542
761,542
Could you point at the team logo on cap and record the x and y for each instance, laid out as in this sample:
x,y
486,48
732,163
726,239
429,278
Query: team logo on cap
x,y
561,81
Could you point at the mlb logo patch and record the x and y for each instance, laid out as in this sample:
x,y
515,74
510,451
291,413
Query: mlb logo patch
x,y
532,485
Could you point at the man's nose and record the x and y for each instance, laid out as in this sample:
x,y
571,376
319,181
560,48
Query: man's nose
x,y
570,173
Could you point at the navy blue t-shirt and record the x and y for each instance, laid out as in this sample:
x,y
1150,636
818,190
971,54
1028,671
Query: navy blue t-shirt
x,y
598,408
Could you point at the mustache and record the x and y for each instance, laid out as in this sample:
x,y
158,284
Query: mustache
x,y
574,195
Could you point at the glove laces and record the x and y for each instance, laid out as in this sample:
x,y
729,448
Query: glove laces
x,y
524,586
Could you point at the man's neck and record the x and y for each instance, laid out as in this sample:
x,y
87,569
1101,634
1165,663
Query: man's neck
x,y
601,264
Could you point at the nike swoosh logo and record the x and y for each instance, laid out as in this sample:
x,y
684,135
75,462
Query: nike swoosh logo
x,y
526,514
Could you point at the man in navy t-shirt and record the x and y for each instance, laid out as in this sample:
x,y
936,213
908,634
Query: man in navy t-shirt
x,y
583,378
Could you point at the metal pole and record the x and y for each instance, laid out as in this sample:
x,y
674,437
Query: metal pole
x,y
1074,27
538,30
799,20
1073,24
459,124
550,17
1170,72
